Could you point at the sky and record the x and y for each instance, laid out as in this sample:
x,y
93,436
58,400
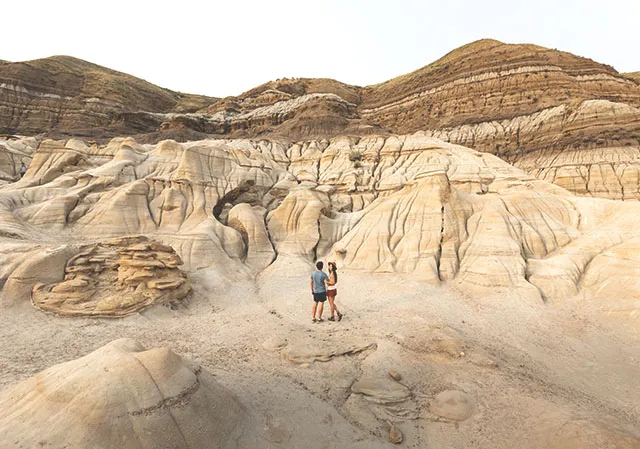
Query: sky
x,y
225,48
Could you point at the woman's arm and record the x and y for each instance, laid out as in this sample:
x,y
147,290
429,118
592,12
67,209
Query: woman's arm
x,y
331,280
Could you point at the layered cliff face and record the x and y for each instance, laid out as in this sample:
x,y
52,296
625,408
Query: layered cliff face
x,y
489,81
407,204
560,117
62,94
298,108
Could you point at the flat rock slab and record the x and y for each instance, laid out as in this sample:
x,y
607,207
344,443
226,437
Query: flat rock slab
x,y
381,390
316,351
453,404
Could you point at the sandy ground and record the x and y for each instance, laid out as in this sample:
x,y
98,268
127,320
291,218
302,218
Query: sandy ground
x,y
539,376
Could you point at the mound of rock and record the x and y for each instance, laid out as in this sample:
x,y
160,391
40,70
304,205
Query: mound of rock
x,y
120,396
115,278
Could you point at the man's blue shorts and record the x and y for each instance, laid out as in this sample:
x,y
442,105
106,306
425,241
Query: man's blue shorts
x,y
320,297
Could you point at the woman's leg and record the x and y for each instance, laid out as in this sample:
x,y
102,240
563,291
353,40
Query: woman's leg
x,y
336,308
332,306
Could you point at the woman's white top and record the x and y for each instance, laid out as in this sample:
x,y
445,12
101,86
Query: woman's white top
x,y
332,287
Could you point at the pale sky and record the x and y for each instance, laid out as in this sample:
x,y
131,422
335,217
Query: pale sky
x,y
222,48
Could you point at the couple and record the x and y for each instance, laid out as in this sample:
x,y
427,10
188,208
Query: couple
x,y
323,286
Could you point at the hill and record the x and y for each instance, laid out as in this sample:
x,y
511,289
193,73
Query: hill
x,y
68,95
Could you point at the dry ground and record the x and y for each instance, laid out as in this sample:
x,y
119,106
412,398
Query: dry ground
x,y
539,376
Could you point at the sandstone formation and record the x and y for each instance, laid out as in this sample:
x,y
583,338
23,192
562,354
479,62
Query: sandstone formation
x,y
633,75
406,204
115,278
383,391
120,396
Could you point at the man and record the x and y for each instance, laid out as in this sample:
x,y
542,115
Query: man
x,y
319,291
23,170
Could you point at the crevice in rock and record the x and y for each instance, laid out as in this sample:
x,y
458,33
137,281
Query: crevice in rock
x,y
169,402
439,252
148,204
376,176
266,227
318,168
172,401
315,247
613,169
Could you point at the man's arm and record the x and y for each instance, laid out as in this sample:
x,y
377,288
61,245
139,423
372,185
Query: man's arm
x,y
311,285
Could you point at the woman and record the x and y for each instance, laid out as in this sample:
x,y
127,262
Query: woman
x,y
332,291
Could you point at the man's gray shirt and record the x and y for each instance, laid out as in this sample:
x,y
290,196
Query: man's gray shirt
x,y
318,278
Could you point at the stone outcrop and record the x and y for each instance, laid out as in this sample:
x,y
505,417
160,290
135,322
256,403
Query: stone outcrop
x,y
591,149
115,278
404,204
318,351
120,395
